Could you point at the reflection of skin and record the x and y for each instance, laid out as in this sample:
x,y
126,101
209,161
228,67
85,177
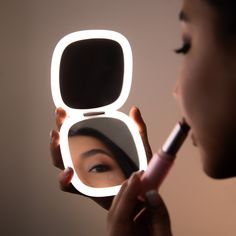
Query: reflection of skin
x,y
94,163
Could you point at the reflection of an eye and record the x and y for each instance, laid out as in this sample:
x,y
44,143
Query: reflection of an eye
x,y
100,168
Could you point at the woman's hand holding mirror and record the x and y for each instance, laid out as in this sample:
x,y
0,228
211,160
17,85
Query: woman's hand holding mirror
x,y
66,174
115,177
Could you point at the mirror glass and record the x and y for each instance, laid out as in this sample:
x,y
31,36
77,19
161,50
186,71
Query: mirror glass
x,y
91,73
103,151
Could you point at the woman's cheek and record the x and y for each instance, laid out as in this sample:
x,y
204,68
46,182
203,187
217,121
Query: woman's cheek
x,y
187,93
192,96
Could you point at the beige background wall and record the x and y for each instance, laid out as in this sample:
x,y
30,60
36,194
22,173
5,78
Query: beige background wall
x,y
30,201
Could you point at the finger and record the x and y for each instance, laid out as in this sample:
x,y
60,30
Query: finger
x,y
160,220
60,117
117,198
128,198
55,149
64,178
135,114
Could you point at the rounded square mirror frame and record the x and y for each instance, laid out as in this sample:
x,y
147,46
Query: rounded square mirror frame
x,y
75,115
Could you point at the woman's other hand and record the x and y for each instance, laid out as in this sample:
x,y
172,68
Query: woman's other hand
x,y
66,175
132,217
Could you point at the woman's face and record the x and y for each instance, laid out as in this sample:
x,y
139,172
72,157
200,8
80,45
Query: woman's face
x,y
94,163
206,88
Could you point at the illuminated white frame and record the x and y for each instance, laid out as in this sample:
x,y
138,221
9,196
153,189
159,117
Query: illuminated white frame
x,y
67,160
91,34
110,110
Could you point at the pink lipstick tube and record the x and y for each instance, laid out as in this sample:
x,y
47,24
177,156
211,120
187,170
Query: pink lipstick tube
x,y
161,162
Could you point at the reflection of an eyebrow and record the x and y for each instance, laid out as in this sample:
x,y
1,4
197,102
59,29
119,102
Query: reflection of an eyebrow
x,y
93,152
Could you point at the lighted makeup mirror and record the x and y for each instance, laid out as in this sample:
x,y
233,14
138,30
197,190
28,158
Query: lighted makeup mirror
x,y
91,74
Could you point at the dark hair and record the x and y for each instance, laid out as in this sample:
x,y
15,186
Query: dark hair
x,y
124,161
226,10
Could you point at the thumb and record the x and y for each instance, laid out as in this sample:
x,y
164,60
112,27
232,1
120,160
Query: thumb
x,y
135,114
160,219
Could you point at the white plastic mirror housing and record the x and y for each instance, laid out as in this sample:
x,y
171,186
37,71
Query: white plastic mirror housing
x,y
110,110
84,35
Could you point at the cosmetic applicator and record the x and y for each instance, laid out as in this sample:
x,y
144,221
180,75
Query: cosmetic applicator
x,y
162,161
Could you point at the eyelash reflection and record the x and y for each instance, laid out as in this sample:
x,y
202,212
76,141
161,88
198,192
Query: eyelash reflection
x,y
100,168
184,49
